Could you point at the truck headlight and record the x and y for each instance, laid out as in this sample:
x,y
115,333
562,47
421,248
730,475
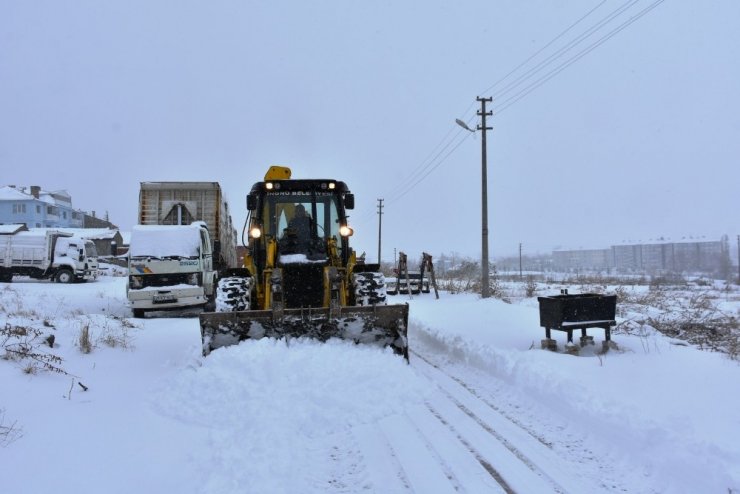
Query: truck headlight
x,y
136,282
345,231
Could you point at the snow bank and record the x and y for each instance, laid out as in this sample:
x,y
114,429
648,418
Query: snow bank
x,y
648,398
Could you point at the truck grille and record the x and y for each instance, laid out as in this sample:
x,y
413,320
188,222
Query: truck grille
x,y
165,279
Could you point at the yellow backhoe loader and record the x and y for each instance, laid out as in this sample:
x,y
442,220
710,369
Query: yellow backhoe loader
x,y
300,276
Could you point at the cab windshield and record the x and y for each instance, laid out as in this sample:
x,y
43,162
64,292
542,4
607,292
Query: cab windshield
x,y
301,222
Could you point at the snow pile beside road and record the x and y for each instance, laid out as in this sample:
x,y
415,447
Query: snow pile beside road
x,y
645,399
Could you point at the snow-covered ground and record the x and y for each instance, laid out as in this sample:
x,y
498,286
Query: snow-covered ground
x,y
480,408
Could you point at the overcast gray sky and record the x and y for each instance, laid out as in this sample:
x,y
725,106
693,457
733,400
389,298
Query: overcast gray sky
x,y
639,138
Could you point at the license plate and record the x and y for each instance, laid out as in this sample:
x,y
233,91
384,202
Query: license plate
x,y
163,299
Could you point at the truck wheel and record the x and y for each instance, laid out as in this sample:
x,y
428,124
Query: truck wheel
x,y
6,278
139,313
64,276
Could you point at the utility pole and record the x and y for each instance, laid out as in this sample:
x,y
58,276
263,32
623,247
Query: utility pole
x,y
520,260
738,259
380,224
485,288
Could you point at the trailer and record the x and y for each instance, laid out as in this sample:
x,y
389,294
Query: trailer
x,y
182,203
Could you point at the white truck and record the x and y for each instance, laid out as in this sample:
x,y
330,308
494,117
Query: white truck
x,y
170,266
46,254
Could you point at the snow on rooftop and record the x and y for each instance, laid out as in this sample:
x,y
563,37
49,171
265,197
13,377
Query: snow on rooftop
x,y
91,233
10,229
165,241
8,193
23,193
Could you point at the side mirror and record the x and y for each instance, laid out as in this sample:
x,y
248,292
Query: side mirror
x,y
251,202
349,201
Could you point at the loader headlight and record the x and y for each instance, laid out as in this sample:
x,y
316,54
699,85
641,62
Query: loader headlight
x,y
269,185
255,232
345,231
135,282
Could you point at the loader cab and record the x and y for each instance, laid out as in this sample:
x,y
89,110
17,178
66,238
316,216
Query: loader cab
x,y
301,216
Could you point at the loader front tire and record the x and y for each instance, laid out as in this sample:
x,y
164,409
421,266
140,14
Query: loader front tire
x,y
369,288
234,293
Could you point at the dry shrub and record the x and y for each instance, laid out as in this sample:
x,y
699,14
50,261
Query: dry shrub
x,y
84,341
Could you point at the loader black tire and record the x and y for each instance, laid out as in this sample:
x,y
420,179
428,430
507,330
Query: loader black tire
x,y
369,289
234,293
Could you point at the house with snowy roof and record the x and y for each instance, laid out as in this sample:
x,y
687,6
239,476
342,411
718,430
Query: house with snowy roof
x,y
37,208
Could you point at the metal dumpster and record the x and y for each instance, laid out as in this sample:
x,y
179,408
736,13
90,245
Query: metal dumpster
x,y
578,311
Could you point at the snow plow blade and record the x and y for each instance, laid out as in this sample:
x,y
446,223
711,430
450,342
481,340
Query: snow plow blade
x,y
381,325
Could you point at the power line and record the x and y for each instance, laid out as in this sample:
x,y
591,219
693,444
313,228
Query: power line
x,y
547,45
437,156
369,213
426,163
524,92
465,136
568,46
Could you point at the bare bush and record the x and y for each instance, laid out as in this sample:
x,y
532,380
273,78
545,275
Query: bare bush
x,y
83,340
8,433
697,320
530,287
685,315
23,344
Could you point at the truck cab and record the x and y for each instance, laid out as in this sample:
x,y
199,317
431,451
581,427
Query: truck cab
x,y
170,266
79,255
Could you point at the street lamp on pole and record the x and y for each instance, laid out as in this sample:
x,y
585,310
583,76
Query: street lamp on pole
x,y
485,286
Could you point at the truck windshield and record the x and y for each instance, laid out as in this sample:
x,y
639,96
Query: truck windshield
x,y
90,250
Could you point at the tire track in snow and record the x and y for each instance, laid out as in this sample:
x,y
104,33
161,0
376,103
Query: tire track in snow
x,y
520,443
386,473
414,452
